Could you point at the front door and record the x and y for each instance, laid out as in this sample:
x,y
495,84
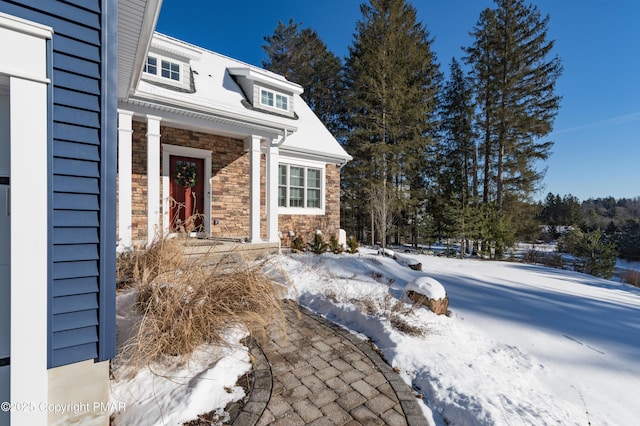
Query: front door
x,y
5,256
187,184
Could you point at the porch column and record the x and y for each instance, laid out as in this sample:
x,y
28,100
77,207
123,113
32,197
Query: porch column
x,y
30,260
254,176
153,178
273,155
125,131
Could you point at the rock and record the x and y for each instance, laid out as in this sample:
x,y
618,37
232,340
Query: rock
x,y
438,307
430,293
416,266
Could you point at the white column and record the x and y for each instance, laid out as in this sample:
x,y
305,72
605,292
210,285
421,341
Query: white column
x,y
153,178
125,131
29,248
273,156
254,176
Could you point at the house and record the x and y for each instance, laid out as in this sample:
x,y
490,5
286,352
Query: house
x,y
58,149
265,166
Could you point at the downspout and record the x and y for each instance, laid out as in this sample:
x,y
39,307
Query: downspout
x,y
284,138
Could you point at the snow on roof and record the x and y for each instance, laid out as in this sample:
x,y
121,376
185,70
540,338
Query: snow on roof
x,y
218,91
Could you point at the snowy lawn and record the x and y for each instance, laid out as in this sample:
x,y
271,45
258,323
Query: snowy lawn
x,y
523,345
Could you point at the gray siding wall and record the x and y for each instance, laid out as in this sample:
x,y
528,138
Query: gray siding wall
x,y
82,175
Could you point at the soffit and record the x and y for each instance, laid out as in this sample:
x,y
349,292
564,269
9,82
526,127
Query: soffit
x,y
136,22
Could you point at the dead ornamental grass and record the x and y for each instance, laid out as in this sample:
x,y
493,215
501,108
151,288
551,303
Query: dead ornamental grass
x,y
631,276
186,302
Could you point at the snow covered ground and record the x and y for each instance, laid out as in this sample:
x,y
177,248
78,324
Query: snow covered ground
x,y
162,394
524,344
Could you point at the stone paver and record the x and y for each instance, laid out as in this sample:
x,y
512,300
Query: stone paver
x,y
323,375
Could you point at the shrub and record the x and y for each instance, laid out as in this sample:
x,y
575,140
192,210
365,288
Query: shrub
x,y
554,260
352,245
298,244
335,246
185,302
318,245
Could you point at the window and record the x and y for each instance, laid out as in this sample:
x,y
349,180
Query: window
x,y
299,187
168,69
267,98
281,102
151,66
171,70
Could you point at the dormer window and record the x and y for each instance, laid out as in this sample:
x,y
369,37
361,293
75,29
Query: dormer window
x,y
266,91
274,100
151,66
168,69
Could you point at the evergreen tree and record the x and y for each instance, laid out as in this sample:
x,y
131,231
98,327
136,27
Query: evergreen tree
x,y
302,57
515,82
561,211
516,104
392,80
456,156
595,255
629,240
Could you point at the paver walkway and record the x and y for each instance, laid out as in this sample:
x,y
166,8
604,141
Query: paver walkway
x,y
323,375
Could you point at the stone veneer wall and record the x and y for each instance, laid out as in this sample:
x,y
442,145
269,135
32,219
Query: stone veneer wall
x,y
307,225
139,182
230,188
229,170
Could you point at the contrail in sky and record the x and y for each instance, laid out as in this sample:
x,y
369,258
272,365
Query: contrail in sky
x,y
611,121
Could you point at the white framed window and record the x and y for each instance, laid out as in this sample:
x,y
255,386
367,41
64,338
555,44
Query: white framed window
x,y
274,100
170,70
151,66
300,187
166,69
282,102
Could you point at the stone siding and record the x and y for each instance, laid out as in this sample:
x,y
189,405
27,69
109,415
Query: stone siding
x,y
230,187
307,225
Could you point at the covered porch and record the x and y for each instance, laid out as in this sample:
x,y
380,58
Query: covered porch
x,y
236,197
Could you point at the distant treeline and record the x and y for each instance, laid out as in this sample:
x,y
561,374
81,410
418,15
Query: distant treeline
x,y
617,220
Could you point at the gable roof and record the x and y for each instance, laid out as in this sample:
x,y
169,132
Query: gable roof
x,y
219,97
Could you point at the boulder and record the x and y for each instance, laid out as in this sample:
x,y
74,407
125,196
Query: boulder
x,y
430,293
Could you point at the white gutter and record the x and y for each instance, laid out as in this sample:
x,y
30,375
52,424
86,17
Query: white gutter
x,y
231,116
339,159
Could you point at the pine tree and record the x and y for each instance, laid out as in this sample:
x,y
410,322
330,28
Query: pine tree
x,y
392,79
516,98
629,240
595,255
514,79
456,156
302,57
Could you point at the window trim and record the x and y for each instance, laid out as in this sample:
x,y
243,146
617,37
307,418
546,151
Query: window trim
x,y
275,96
321,167
183,70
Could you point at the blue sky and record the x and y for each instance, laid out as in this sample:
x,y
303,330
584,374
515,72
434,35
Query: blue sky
x,y
597,131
